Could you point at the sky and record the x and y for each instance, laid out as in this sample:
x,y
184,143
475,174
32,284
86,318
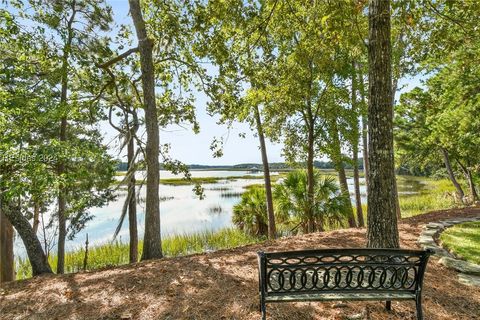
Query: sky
x,y
193,148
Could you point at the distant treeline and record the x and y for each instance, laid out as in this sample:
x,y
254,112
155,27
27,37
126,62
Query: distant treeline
x,y
122,166
403,169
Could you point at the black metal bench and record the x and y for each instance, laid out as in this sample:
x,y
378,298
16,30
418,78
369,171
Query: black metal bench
x,y
342,274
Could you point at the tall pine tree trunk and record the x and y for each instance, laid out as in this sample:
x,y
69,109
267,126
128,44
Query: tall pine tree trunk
x,y
7,272
451,174
62,202
266,174
152,245
382,230
35,253
132,205
62,192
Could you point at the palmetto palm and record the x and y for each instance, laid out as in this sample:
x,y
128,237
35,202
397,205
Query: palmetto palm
x,y
291,200
250,215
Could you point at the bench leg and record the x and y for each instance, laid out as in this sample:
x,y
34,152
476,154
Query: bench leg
x,y
418,303
388,305
263,309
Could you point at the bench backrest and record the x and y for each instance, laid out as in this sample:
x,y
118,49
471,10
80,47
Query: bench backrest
x,y
341,270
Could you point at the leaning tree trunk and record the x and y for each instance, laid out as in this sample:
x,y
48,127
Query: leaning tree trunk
x,y
35,253
451,174
7,272
132,205
382,230
266,174
152,243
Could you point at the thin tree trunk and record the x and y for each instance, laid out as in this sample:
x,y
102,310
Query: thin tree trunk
x,y
152,243
36,216
62,202
62,227
382,229
132,205
358,196
336,157
310,180
35,254
451,174
45,241
397,199
471,184
266,174
355,142
365,150
7,271
342,179
469,178
364,131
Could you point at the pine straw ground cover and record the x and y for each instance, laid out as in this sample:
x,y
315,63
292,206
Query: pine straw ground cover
x,y
223,285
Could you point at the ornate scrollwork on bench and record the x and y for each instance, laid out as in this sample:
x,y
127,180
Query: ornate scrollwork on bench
x,y
346,274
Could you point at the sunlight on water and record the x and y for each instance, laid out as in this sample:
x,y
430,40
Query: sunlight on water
x,y
181,211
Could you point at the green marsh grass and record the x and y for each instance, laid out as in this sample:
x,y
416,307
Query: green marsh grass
x,y
116,253
428,194
204,180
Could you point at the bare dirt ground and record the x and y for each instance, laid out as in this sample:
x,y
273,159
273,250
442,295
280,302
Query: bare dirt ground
x,y
224,285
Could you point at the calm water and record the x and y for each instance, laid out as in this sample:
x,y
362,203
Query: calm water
x,y
181,211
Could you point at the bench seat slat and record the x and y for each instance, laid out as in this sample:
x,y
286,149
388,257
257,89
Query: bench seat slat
x,y
343,296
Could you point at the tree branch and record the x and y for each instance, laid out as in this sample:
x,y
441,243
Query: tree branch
x,y
118,58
